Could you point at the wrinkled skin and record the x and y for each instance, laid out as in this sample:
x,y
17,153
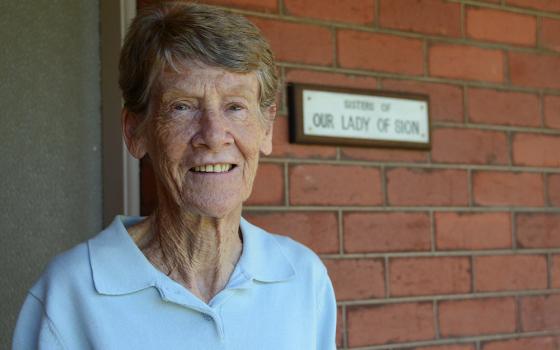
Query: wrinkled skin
x,y
199,116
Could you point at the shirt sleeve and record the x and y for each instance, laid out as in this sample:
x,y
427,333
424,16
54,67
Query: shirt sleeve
x,y
34,329
326,316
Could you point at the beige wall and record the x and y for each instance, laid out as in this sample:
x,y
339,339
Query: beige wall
x,y
50,163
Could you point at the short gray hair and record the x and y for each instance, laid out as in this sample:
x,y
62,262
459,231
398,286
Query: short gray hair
x,y
162,36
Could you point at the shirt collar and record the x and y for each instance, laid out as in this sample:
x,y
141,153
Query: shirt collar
x,y
262,258
119,267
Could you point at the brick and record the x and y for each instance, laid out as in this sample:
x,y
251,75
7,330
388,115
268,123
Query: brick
x,y
355,11
424,16
472,231
533,70
317,230
466,62
540,343
448,347
355,279
295,42
361,50
390,324
332,79
508,189
501,26
469,146
553,187
429,276
536,150
538,230
477,316
503,107
555,272
510,272
268,188
545,5
446,101
540,313
550,34
335,185
386,232
552,111
281,146
427,187
384,154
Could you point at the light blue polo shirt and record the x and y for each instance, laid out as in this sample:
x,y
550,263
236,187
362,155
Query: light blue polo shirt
x,y
104,294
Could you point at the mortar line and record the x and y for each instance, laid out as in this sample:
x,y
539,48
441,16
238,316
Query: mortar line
x,y
442,166
431,79
546,189
432,231
281,7
284,100
426,59
435,310
549,266
463,21
286,186
473,274
513,217
383,179
518,319
503,7
376,14
470,188
506,72
451,297
340,233
457,340
477,345
365,27
538,32
335,47
429,254
379,209
466,109
541,109
386,262
509,137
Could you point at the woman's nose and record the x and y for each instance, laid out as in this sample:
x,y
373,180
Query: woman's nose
x,y
214,131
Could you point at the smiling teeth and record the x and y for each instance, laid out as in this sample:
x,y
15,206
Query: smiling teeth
x,y
213,168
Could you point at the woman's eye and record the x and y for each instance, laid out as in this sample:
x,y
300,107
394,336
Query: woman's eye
x,y
182,107
235,107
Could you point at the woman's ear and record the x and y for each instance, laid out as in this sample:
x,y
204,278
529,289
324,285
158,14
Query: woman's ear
x,y
269,116
135,141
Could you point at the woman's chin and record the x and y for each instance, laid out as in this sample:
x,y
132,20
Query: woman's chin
x,y
218,209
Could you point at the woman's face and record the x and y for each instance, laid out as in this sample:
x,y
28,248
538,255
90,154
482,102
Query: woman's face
x,y
204,137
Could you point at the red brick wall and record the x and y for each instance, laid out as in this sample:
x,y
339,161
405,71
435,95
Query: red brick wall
x,y
457,248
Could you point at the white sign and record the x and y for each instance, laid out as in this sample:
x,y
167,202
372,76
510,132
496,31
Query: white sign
x,y
336,114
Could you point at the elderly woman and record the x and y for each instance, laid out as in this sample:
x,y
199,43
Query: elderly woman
x,y
199,86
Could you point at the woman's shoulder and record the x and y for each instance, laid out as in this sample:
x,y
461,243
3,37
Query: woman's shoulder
x,y
300,256
67,269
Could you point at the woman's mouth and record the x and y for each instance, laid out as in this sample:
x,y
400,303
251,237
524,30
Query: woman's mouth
x,y
213,168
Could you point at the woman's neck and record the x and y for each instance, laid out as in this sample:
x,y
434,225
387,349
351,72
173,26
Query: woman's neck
x,y
198,252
